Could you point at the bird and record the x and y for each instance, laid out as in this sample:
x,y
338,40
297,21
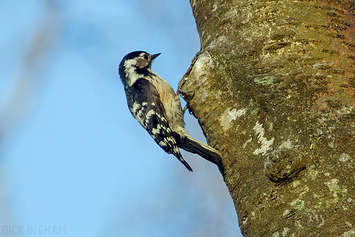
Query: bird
x,y
154,104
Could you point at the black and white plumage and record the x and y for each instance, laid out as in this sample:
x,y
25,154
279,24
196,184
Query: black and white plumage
x,y
157,108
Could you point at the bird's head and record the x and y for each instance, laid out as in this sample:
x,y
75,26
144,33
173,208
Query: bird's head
x,y
135,64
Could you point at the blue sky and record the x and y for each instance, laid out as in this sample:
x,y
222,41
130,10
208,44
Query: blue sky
x,y
71,154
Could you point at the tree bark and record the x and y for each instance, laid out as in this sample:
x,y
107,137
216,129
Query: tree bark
x,y
274,93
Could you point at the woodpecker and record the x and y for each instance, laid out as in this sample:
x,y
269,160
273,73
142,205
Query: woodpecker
x,y
153,102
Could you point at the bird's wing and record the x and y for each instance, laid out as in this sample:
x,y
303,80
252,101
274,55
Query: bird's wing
x,y
145,105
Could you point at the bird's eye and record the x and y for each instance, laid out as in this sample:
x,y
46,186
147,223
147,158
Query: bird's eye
x,y
145,56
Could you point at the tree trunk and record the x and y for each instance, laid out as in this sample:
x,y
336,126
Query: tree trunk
x,y
274,93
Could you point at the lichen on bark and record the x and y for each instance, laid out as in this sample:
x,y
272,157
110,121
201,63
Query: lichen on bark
x,y
274,92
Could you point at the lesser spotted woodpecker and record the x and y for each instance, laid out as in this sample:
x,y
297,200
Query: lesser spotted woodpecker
x,y
157,108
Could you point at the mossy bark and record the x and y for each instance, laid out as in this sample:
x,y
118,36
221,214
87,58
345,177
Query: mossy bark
x,y
274,90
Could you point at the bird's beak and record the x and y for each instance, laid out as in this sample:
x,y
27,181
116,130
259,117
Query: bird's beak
x,y
155,55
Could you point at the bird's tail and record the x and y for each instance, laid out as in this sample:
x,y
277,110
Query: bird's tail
x,y
194,146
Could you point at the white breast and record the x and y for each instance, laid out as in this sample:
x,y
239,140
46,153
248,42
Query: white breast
x,y
170,100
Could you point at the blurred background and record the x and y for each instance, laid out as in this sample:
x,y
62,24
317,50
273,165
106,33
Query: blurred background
x,y
73,161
